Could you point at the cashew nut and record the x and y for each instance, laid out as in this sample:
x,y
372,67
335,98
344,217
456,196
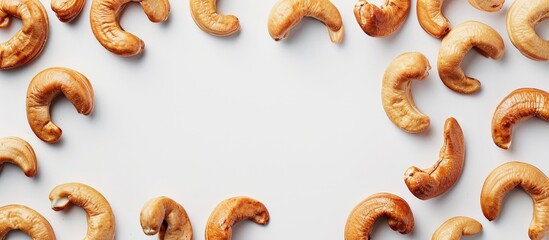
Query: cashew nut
x,y
288,13
381,21
204,13
17,151
361,221
99,213
19,217
67,10
456,44
28,43
530,179
522,19
104,17
231,211
396,92
166,217
487,5
431,19
438,179
47,85
456,227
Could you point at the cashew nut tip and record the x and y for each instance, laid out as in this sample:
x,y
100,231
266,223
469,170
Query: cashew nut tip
x,y
456,44
204,13
25,219
17,151
381,21
286,14
487,5
431,18
396,93
456,227
67,10
232,211
100,217
534,182
166,217
522,19
29,42
361,221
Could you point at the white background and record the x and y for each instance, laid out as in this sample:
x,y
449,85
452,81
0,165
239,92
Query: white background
x,y
297,124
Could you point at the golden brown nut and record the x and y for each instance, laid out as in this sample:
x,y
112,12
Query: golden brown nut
x,y
28,42
487,5
25,219
522,19
381,21
456,227
17,151
288,13
442,176
67,10
204,13
431,19
99,213
231,211
166,217
396,93
361,220
508,176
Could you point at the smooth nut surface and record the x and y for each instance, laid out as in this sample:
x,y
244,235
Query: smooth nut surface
x,y
231,211
431,18
17,151
522,19
166,217
67,10
25,219
204,13
487,5
456,227
381,21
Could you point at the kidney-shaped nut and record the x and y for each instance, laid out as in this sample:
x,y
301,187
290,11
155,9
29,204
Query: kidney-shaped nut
x,y
100,217
487,5
508,176
67,10
288,13
25,219
456,227
28,42
431,18
204,13
17,151
166,217
361,221
522,19
231,211
381,21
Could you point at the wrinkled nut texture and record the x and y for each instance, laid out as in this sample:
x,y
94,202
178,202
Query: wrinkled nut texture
x,y
100,217
17,151
67,10
487,5
166,217
231,211
104,17
25,219
456,227
396,94
361,221
431,18
28,42
204,13
288,13
456,44
519,105
381,21
508,176
45,87
522,19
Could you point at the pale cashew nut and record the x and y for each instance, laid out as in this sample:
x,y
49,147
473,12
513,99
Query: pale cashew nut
x,y
288,13
361,221
522,19
396,91
456,44
25,219
487,5
100,217
166,217
381,21
508,176
231,211
204,13
17,151
431,18
28,42
46,86
442,176
67,10
456,227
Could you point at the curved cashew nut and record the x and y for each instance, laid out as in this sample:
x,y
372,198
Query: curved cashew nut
x,y
456,227
232,211
381,21
487,5
67,10
99,213
19,217
17,151
287,13
522,19
28,43
438,179
204,13
47,85
166,217
530,179
431,18
361,221
104,17
396,93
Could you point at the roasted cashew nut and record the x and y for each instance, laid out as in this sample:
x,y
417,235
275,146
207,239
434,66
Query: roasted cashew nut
x,y
456,44
442,176
361,221
381,21
166,217
99,213
456,227
67,10
522,19
46,86
508,176
487,5
28,43
396,92
288,13
17,151
431,18
231,211
104,17
25,219
204,13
